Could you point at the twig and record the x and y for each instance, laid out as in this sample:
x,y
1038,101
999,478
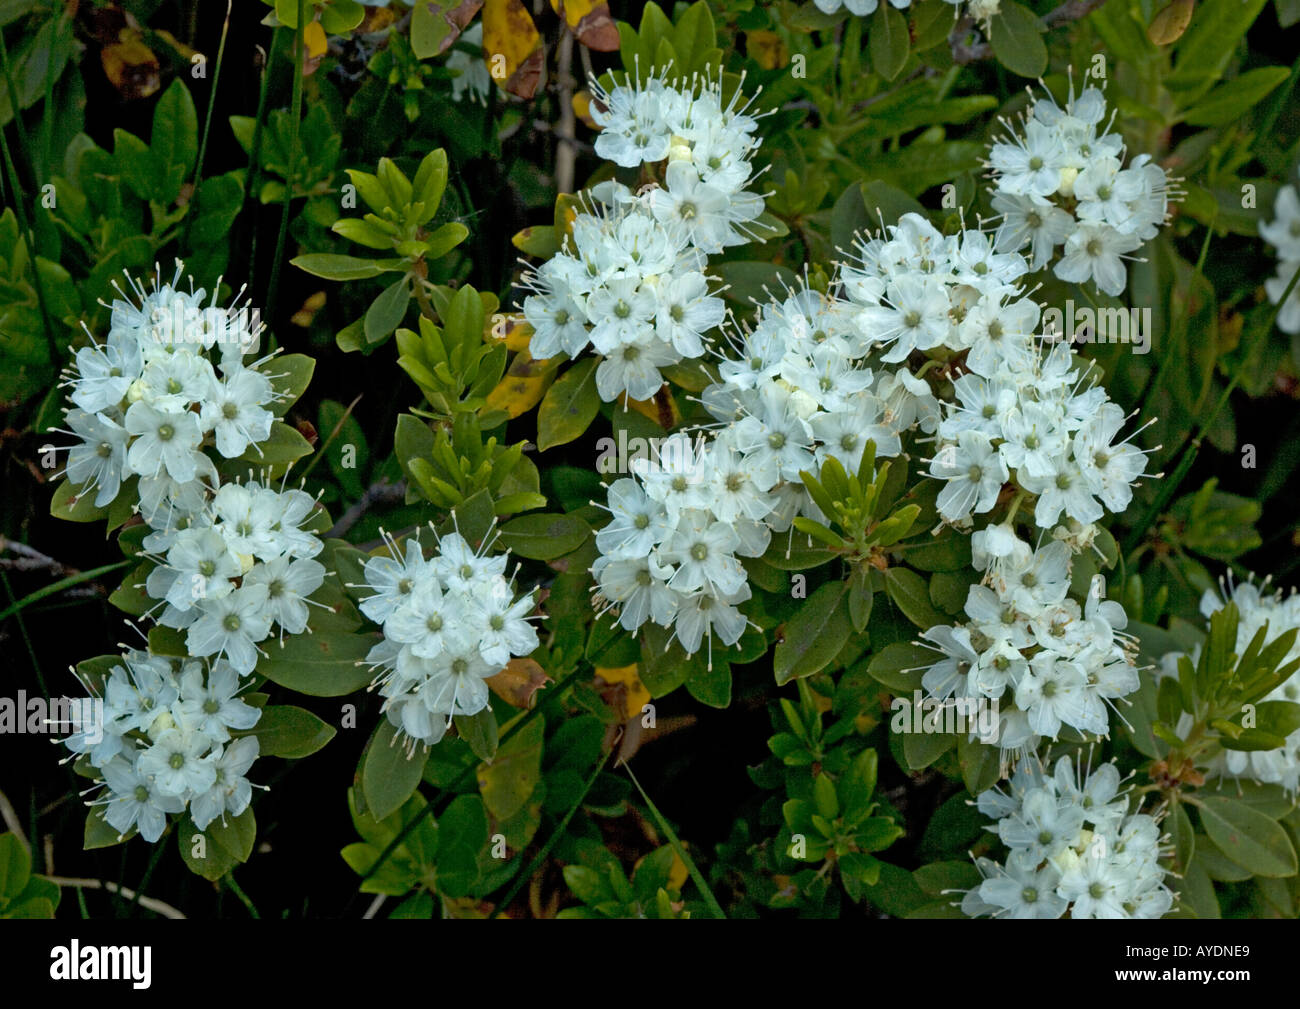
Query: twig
x,y
10,818
29,559
375,905
565,154
377,493
152,903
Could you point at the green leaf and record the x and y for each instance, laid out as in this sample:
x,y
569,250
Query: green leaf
x,y
712,686
908,590
288,731
285,445
1209,44
1248,837
99,834
386,312
1017,40
749,282
15,867
900,666
980,763
815,635
890,43
290,374
1231,101
462,837
480,732
389,774
508,781
200,853
335,267
69,502
320,665
235,836
569,406
544,537
174,143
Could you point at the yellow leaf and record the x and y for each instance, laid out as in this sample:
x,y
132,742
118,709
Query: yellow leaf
x,y
676,875
582,108
512,47
523,385
636,696
518,682
314,37
767,48
304,316
590,22
662,409
512,329
1169,24
131,66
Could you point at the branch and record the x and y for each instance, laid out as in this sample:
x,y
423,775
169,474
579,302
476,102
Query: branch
x,y
376,493
152,903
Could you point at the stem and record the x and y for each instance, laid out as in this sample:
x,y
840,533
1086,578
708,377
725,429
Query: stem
x,y
255,153
295,121
207,121
1189,454
540,857
20,206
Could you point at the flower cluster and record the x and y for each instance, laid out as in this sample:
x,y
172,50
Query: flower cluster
x,y
1255,608
795,393
798,391
982,11
232,566
450,622
1074,847
1060,180
1026,641
706,143
1032,418
670,552
165,742
148,399
632,288
1283,234
630,281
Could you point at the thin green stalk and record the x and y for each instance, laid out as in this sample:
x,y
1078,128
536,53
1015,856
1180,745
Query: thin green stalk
x,y
207,120
20,206
463,777
540,857
696,875
320,452
59,586
148,874
229,880
299,49
1181,319
1170,484
255,151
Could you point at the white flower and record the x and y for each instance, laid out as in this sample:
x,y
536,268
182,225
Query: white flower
x,y
178,762
136,801
164,440
212,707
99,461
288,584
234,410
232,626
231,792
974,472
1096,252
